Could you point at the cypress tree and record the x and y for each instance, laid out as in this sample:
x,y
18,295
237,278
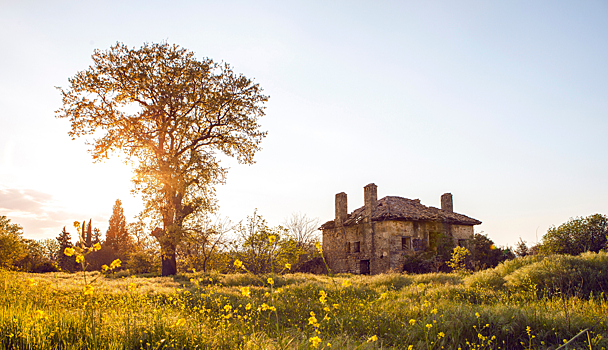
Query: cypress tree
x,y
89,236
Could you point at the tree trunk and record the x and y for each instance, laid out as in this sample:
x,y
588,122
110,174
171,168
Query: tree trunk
x,y
168,259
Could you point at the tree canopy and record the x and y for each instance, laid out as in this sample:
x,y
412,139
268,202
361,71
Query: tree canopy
x,y
577,235
171,115
11,245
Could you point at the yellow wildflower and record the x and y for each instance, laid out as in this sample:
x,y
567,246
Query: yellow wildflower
x,y
116,263
346,283
319,247
79,259
312,319
68,251
429,326
315,341
104,268
288,266
373,338
88,289
272,238
323,297
96,246
245,291
270,281
412,322
238,263
248,306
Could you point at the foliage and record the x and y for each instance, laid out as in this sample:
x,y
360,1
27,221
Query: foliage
x,y
34,259
580,276
50,249
577,235
487,254
12,248
458,260
521,249
262,248
66,263
117,236
169,114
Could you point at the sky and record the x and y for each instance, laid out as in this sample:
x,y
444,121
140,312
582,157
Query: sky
x,y
502,104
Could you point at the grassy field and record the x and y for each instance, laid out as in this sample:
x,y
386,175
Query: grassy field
x,y
529,303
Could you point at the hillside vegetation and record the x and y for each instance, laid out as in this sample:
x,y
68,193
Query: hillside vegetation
x,y
526,303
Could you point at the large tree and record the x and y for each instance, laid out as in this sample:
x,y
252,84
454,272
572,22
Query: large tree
x,y
171,115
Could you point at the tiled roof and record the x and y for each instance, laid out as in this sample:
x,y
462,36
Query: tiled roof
x,y
403,209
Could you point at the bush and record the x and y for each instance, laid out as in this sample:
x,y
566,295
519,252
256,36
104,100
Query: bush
x,y
579,275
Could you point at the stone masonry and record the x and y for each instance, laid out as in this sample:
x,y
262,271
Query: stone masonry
x,y
377,237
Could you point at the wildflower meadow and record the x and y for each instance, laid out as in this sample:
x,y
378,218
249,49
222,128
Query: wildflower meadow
x,y
528,303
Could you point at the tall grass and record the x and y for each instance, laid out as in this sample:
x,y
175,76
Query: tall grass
x,y
514,306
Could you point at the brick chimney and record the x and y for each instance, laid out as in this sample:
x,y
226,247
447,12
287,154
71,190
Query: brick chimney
x,y
341,208
446,202
370,193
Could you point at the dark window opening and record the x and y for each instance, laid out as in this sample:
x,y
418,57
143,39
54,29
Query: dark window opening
x,y
462,243
357,247
348,247
406,243
364,267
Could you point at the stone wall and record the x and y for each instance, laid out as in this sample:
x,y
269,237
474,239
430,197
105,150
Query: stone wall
x,y
387,246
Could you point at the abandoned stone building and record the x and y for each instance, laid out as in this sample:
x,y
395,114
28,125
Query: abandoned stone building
x,y
377,237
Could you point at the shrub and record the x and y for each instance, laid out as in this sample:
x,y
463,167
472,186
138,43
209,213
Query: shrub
x,y
568,275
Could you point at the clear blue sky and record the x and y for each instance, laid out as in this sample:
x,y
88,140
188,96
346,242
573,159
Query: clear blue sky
x,y
503,104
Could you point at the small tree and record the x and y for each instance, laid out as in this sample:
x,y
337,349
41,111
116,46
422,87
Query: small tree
x,y
521,248
458,261
262,248
487,254
304,230
204,239
50,249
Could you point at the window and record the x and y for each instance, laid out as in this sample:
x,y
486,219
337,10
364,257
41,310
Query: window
x,y
348,247
462,243
406,243
357,247
418,244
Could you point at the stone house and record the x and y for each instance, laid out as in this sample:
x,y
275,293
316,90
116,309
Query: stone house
x,y
377,237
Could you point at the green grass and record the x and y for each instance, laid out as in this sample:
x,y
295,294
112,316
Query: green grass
x,y
526,303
